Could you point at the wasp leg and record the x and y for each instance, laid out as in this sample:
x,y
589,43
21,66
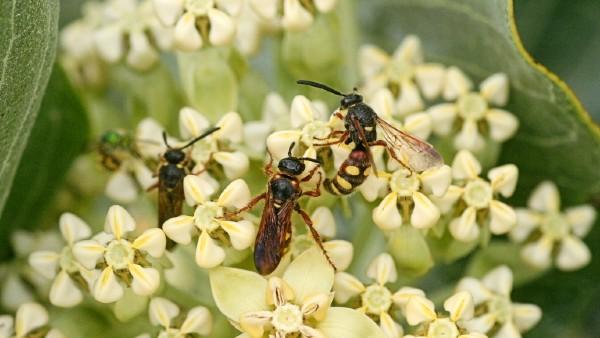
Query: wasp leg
x,y
341,139
249,206
310,175
390,151
268,169
314,233
333,134
152,187
317,191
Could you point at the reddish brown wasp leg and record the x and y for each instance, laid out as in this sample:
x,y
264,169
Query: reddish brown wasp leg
x,y
152,187
268,169
392,153
314,233
333,134
341,139
310,175
317,191
249,206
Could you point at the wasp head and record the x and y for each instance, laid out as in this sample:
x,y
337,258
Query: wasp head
x,y
350,100
292,165
174,156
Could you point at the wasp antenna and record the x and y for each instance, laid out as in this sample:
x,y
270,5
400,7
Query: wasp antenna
x,y
164,135
290,149
314,160
206,133
320,85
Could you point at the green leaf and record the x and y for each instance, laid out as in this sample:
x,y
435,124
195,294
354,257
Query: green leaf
x,y
28,30
58,136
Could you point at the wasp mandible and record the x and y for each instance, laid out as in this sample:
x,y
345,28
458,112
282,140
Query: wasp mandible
x,y
281,199
360,128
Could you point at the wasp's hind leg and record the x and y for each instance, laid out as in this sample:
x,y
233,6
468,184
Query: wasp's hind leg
x,y
390,151
314,234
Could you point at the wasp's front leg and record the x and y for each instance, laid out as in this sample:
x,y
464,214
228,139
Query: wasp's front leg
x,y
249,206
314,233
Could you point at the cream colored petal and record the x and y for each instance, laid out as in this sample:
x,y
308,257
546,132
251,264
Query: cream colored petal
x,y
499,280
503,125
118,221
151,144
231,7
141,55
469,138
107,289
6,326
425,213
222,29
545,197
253,323
325,6
241,233
348,323
168,11
340,252
235,195
390,328
64,292
44,263
508,330
525,316
323,221
267,9
145,280
316,306
153,241
161,311
460,306
295,17
478,291
121,187
465,227
573,254
309,332
309,274
301,112
473,335
447,201
88,253
109,43
382,269
430,78
442,118
255,136
279,142
54,333
409,100
192,123
465,166
275,109
373,187
495,89
73,228
179,229
208,253
144,176
502,217
404,294
483,323
346,286
581,219
199,188
504,179
419,310
409,50
237,292
231,128
186,36
457,83
235,164
279,292
383,103
372,60
198,320
436,180
29,317
538,253
527,221
386,215
419,125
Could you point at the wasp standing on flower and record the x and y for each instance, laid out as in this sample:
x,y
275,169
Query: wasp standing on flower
x,y
360,124
281,199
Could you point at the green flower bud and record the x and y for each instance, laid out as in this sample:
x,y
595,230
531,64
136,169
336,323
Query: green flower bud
x,y
410,250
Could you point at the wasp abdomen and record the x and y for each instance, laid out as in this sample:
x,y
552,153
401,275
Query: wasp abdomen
x,y
351,174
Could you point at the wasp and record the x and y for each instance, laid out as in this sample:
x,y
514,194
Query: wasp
x,y
115,146
281,199
173,168
360,128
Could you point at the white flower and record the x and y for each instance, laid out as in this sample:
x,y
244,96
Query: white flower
x,y
164,313
376,299
408,201
549,232
65,271
473,111
215,234
124,184
197,22
298,303
292,15
403,74
477,199
30,318
275,116
125,259
419,310
495,311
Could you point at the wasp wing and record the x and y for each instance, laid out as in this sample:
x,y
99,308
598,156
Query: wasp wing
x,y
170,201
410,150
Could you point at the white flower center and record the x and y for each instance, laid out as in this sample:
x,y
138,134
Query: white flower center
x,y
472,106
501,306
377,299
287,318
205,214
119,254
399,70
199,7
67,261
404,182
555,225
442,328
203,149
478,194
316,128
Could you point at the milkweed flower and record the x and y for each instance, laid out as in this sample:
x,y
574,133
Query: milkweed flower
x,y
215,234
495,313
292,15
376,300
69,278
549,233
275,116
298,302
123,258
168,316
30,319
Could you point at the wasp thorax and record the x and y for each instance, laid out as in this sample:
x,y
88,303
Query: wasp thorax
x,y
291,166
174,156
